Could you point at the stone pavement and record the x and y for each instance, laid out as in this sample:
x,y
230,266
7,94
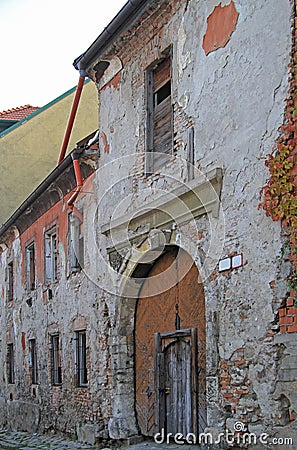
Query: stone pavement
x,y
148,445
16,440
13,440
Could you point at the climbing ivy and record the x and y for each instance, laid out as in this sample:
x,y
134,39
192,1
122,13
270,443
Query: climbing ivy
x,y
280,191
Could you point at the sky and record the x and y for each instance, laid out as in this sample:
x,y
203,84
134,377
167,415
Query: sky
x,y
40,40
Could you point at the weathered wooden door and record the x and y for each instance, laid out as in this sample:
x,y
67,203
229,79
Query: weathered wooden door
x,y
176,381
180,307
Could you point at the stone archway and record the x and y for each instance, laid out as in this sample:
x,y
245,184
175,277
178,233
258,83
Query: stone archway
x,y
171,310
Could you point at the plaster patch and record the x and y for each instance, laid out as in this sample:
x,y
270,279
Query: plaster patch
x,y
220,25
106,145
183,59
184,100
113,83
111,73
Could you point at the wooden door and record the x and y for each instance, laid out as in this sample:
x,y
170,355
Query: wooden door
x,y
178,306
176,381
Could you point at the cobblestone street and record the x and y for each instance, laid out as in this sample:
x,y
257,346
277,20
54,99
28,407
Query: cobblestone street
x,y
13,440
25,441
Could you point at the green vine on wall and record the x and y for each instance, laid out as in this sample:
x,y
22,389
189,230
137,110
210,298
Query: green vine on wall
x,y
280,192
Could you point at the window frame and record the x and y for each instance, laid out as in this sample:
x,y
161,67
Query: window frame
x,y
155,162
33,361
55,356
10,281
51,255
10,364
80,359
75,243
30,250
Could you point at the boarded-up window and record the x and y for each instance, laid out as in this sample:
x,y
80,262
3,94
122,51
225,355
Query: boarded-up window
x,y
159,115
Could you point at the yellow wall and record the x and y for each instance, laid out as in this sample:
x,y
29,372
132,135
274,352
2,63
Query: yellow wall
x,y
29,152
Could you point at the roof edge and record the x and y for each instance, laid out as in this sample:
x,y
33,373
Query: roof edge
x,y
40,110
125,17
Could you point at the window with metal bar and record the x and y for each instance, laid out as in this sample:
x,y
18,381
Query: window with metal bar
x,y
33,361
80,358
10,364
30,266
55,360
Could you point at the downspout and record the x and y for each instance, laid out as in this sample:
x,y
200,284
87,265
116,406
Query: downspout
x,y
72,115
75,155
78,176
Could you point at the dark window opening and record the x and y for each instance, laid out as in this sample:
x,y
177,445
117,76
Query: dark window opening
x,y
33,361
163,93
10,281
10,364
56,360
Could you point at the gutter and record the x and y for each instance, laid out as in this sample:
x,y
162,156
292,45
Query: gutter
x,y
127,15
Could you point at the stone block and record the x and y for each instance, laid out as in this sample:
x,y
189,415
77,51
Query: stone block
x,y
287,375
23,416
86,433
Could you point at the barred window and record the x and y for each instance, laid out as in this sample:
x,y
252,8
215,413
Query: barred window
x,y
80,358
33,361
55,360
30,266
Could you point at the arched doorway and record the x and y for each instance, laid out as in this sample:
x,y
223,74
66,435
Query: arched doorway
x,y
170,347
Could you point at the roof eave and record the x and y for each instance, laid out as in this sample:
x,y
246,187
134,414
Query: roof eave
x,y
65,165
126,16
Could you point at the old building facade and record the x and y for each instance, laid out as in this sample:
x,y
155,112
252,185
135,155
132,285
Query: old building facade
x,y
151,299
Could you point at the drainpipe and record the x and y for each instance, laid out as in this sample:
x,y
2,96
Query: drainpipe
x,y
78,176
71,118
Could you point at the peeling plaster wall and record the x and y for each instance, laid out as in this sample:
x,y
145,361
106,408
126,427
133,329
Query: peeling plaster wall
x,y
234,99
72,303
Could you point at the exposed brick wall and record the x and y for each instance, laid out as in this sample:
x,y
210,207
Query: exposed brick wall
x,y
234,383
288,316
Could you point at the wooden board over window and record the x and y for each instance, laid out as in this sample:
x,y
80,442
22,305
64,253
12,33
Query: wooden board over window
x,y
160,115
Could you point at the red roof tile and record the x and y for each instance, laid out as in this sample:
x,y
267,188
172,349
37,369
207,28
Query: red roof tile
x,y
18,113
